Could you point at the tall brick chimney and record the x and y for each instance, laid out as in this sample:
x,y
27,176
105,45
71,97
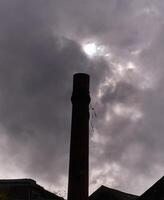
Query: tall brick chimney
x,y
79,148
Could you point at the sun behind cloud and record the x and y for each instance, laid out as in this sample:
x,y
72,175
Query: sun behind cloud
x,y
93,49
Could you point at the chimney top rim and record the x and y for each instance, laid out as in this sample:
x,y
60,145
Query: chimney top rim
x,y
81,74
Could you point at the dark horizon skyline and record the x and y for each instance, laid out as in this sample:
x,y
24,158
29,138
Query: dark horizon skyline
x,y
120,45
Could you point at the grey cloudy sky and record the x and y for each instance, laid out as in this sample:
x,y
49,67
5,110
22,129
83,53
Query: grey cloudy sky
x,y
42,44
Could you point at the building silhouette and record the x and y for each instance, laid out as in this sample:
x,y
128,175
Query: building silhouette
x,y
24,189
105,193
155,192
28,189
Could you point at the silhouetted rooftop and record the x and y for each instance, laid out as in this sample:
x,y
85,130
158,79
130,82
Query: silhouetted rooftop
x,y
155,192
21,188
105,193
17,181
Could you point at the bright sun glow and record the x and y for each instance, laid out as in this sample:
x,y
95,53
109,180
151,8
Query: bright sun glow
x,y
93,49
90,49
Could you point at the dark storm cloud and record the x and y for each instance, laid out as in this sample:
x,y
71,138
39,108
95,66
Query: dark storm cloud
x,y
36,68
123,92
40,51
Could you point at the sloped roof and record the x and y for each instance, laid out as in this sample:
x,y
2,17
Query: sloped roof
x,y
105,193
155,192
19,183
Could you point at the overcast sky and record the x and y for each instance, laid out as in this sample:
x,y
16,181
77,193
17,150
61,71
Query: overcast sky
x,y
120,43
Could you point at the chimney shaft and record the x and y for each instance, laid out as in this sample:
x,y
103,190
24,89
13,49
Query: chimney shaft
x,y
79,148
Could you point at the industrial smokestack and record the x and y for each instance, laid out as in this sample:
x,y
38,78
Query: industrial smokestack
x,y
79,148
